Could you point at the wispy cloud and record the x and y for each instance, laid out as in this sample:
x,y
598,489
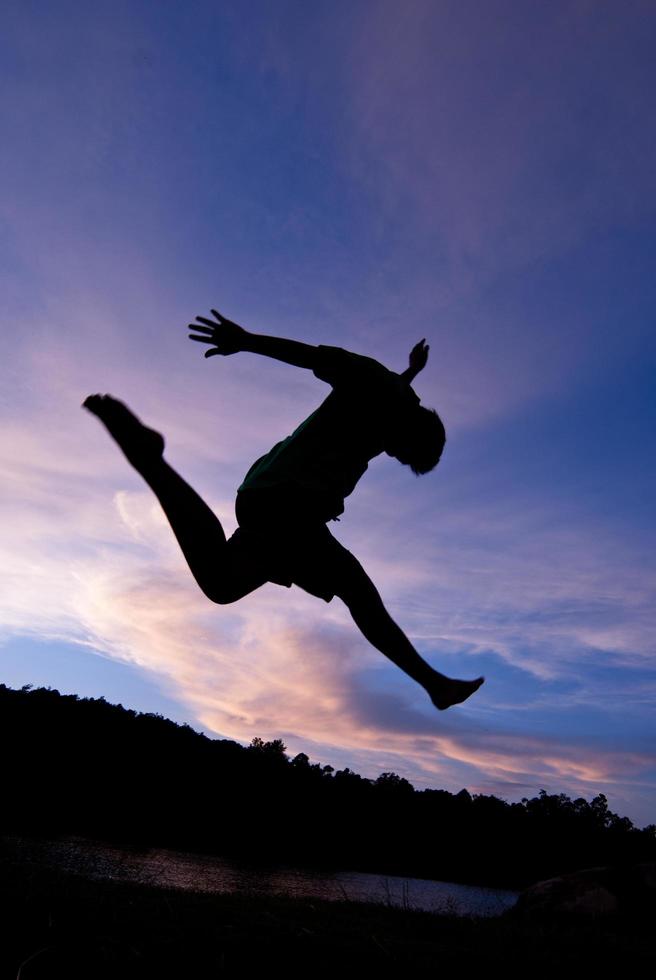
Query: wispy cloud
x,y
96,565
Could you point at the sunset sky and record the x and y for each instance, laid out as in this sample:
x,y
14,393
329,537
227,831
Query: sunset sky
x,y
362,173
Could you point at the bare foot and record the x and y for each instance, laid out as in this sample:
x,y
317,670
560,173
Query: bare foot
x,y
140,444
448,692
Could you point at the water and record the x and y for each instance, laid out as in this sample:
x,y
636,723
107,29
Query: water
x,y
159,867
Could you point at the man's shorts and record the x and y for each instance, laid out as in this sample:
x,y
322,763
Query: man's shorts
x,y
283,542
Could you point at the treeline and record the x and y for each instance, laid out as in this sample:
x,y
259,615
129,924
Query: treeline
x,y
82,766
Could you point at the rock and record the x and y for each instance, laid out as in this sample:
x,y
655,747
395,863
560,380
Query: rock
x,y
593,892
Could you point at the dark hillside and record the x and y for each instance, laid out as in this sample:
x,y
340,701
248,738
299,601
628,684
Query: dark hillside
x,y
83,766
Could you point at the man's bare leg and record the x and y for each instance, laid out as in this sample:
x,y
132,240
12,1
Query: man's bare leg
x,y
375,623
196,527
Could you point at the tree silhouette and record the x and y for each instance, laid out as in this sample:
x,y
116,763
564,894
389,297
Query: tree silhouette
x,y
83,766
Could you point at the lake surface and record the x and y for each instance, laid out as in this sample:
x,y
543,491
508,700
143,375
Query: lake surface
x,y
159,867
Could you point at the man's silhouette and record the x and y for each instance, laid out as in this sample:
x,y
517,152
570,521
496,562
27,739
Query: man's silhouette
x,y
290,493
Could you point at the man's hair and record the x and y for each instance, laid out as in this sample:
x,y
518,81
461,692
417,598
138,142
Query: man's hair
x,y
418,439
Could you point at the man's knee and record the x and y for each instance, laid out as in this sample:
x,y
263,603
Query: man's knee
x,y
227,589
222,597
222,593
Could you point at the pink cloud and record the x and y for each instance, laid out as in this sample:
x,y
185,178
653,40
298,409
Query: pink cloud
x,y
479,581
110,578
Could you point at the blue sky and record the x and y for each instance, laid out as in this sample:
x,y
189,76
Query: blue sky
x,y
479,174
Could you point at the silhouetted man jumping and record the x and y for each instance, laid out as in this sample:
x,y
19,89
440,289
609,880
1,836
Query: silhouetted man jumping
x,y
289,494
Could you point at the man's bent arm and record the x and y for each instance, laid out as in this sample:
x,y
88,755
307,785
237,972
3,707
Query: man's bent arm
x,y
417,361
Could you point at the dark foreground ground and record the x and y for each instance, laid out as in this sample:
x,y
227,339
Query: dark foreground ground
x,y
59,925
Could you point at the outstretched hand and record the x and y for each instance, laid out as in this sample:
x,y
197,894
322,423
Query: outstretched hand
x,y
419,356
225,336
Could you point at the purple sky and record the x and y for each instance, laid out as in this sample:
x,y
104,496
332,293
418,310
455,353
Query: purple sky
x,y
361,173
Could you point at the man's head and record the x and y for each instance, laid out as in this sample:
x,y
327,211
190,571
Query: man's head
x,y
417,438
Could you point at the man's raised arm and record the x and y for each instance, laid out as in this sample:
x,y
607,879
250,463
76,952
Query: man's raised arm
x,y
227,337
417,360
